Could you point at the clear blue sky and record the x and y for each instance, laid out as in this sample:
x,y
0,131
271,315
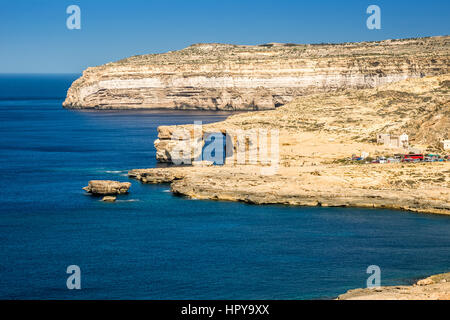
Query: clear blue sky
x,y
34,37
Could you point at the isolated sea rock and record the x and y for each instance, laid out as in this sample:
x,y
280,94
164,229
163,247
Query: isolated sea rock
x,y
109,199
241,77
107,187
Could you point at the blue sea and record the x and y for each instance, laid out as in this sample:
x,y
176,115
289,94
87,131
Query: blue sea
x,y
151,244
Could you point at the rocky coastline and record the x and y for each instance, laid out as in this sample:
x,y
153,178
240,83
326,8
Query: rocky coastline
x,y
436,287
312,186
327,103
317,133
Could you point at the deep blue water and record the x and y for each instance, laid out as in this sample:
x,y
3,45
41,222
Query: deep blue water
x,y
153,245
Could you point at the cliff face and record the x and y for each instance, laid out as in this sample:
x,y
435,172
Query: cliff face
x,y
232,77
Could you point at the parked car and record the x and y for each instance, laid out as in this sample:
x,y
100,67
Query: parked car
x,y
382,160
412,158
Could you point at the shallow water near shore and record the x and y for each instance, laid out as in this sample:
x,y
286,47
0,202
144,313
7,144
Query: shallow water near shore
x,y
151,244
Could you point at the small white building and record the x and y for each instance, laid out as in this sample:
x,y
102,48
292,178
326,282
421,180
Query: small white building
x,y
404,140
446,144
401,141
383,138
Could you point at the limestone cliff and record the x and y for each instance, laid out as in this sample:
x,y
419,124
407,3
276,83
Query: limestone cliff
x,y
238,77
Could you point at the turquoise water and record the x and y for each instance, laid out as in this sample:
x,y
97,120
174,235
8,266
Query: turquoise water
x,y
153,245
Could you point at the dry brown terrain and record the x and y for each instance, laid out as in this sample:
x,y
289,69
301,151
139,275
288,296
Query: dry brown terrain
x,y
436,287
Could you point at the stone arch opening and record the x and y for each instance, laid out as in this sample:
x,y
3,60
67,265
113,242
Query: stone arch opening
x,y
217,147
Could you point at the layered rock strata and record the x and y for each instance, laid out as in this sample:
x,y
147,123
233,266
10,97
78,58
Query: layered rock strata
x,y
239,77
107,187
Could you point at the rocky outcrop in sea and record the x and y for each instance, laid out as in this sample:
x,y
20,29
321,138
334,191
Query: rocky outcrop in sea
x,y
107,187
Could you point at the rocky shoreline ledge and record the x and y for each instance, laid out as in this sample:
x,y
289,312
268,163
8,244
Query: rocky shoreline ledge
x,y
436,287
335,186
